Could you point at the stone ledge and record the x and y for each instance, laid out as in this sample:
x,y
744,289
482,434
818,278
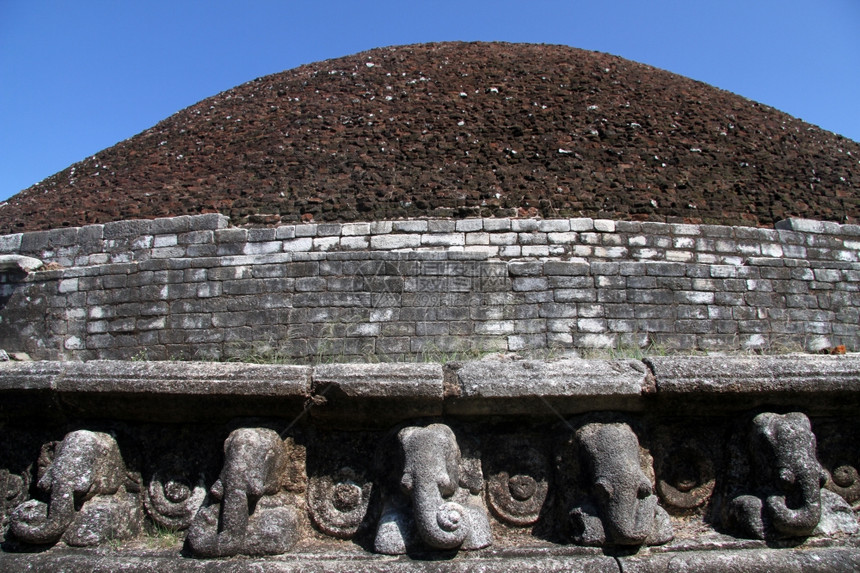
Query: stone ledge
x,y
385,393
809,226
188,378
760,560
156,391
116,561
383,380
750,561
566,386
708,384
756,375
27,376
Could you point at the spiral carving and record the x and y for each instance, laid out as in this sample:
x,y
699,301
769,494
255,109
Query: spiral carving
x,y
13,491
172,503
517,486
449,516
517,499
845,480
687,481
339,503
13,487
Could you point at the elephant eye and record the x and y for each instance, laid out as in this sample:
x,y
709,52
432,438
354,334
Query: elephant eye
x,y
644,490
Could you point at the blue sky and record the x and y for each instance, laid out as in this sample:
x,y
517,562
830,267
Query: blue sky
x,y
77,77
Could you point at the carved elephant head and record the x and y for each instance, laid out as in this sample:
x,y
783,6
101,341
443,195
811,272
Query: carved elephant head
x,y
255,460
787,468
785,500
621,494
443,514
85,464
431,473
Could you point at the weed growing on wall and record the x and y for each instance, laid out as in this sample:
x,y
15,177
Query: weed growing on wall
x,y
162,537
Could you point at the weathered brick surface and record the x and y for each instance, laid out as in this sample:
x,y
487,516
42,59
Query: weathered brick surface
x,y
404,287
340,141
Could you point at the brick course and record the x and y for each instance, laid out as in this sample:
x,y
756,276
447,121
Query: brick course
x,y
404,287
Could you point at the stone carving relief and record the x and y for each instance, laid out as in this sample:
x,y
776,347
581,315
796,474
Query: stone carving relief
x,y
687,481
85,479
609,479
341,482
518,480
338,503
14,488
845,481
173,497
781,495
251,516
423,488
839,453
684,466
432,509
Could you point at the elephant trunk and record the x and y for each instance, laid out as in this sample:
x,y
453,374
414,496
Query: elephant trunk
x,y
233,522
219,531
59,515
803,520
441,524
631,518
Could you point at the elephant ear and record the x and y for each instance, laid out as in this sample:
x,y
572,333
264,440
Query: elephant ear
x,y
403,437
452,465
45,465
765,425
272,470
112,472
471,471
293,464
279,458
800,418
46,479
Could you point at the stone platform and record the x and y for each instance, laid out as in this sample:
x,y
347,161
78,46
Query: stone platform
x,y
699,463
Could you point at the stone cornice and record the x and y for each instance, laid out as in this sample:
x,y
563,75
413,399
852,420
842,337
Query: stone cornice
x,y
386,393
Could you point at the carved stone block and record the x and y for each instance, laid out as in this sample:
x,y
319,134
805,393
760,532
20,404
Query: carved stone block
x,y
341,482
338,503
88,502
250,518
518,480
432,510
781,495
611,500
172,499
14,488
685,463
839,453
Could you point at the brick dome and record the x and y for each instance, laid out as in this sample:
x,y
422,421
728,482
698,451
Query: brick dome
x,y
462,129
